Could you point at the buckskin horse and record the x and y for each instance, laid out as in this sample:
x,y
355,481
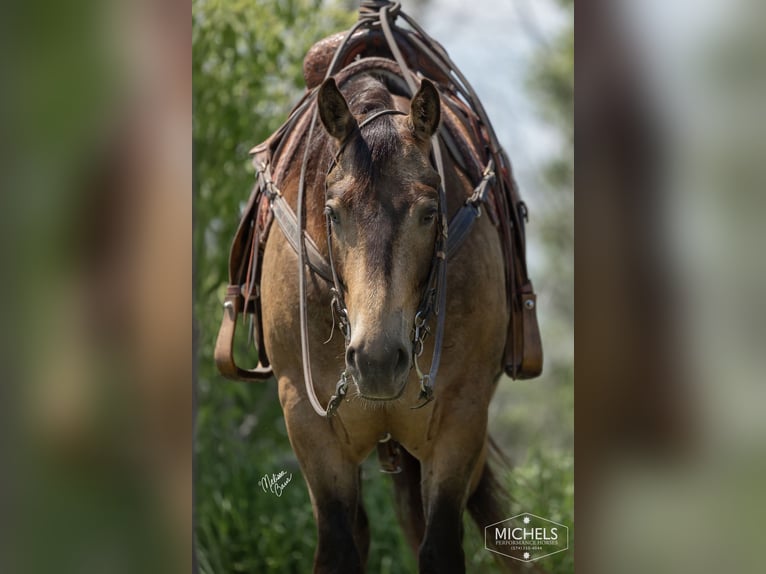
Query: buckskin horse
x,y
377,182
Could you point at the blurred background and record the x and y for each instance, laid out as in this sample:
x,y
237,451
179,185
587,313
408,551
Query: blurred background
x,y
247,62
670,282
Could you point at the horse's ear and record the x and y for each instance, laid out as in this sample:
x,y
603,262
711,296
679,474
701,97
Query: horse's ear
x,y
334,112
425,111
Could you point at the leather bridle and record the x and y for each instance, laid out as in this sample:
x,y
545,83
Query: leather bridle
x,y
338,301
435,285
434,297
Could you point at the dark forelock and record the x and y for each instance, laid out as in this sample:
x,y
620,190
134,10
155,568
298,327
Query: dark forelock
x,y
379,140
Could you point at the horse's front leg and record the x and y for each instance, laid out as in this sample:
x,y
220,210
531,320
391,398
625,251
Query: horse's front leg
x,y
450,473
342,527
333,480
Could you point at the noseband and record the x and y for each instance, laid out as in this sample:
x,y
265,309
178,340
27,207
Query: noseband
x,y
435,286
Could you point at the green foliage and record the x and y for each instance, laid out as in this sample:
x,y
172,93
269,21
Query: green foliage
x,y
554,82
545,484
553,85
541,485
241,528
246,64
247,73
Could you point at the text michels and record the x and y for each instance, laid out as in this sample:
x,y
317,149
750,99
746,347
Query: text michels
x,y
511,535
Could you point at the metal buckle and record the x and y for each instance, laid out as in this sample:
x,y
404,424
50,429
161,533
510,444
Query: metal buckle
x,y
523,211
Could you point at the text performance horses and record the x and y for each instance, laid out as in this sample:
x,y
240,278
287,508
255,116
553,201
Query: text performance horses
x,y
377,182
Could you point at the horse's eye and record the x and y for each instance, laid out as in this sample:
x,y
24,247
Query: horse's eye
x,y
330,213
428,217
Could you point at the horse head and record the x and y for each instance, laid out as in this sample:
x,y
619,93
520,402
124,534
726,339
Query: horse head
x,y
382,212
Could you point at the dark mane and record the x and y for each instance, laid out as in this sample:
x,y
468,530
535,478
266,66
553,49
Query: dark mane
x,y
377,142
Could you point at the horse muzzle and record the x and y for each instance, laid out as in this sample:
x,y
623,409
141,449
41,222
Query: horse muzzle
x,y
379,368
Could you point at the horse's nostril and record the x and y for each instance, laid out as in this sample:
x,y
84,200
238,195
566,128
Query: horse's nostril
x,y
375,363
351,357
402,361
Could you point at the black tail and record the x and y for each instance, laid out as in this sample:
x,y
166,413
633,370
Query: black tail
x,y
409,501
488,504
491,503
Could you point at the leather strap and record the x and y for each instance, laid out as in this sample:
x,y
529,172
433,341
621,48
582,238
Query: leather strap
x,y
224,346
302,257
462,222
288,223
531,352
389,455
388,13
